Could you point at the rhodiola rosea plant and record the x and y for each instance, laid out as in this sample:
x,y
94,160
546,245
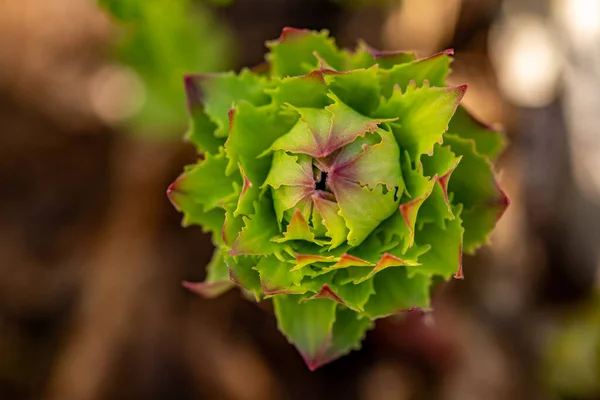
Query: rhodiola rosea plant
x,y
339,184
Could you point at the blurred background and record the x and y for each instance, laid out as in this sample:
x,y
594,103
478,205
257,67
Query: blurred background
x,y
92,254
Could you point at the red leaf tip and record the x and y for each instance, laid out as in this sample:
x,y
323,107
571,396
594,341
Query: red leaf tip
x,y
327,293
171,190
459,273
289,33
194,95
230,116
462,89
207,289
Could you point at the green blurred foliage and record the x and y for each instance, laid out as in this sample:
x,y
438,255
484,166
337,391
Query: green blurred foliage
x,y
162,40
572,354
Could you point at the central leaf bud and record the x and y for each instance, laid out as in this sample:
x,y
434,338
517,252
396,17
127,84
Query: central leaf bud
x,y
335,176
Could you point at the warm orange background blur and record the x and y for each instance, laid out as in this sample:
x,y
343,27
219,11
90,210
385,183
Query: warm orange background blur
x,y
92,254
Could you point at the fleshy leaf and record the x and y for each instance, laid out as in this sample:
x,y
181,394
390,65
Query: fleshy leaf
x,y
290,170
294,52
354,296
201,131
445,255
349,329
286,197
434,69
308,91
307,325
359,89
298,229
276,277
437,207
259,229
419,188
253,129
320,132
231,227
367,168
423,115
396,292
488,141
479,222
329,211
243,274
220,92
194,214
474,185
363,209
207,183
473,180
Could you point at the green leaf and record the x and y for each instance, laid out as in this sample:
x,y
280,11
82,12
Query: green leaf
x,y
423,115
320,132
294,52
442,161
201,128
371,165
349,329
362,208
242,273
307,325
207,183
433,69
298,229
194,214
400,227
277,277
217,270
437,208
473,181
329,211
221,92
359,89
253,130
230,228
479,222
474,185
355,296
290,170
445,254
396,292
259,229
488,142
287,197
306,91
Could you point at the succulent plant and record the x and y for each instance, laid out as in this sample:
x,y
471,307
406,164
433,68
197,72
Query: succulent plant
x,y
337,183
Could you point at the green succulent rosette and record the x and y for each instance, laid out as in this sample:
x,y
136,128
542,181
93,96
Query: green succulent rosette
x,y
337,183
